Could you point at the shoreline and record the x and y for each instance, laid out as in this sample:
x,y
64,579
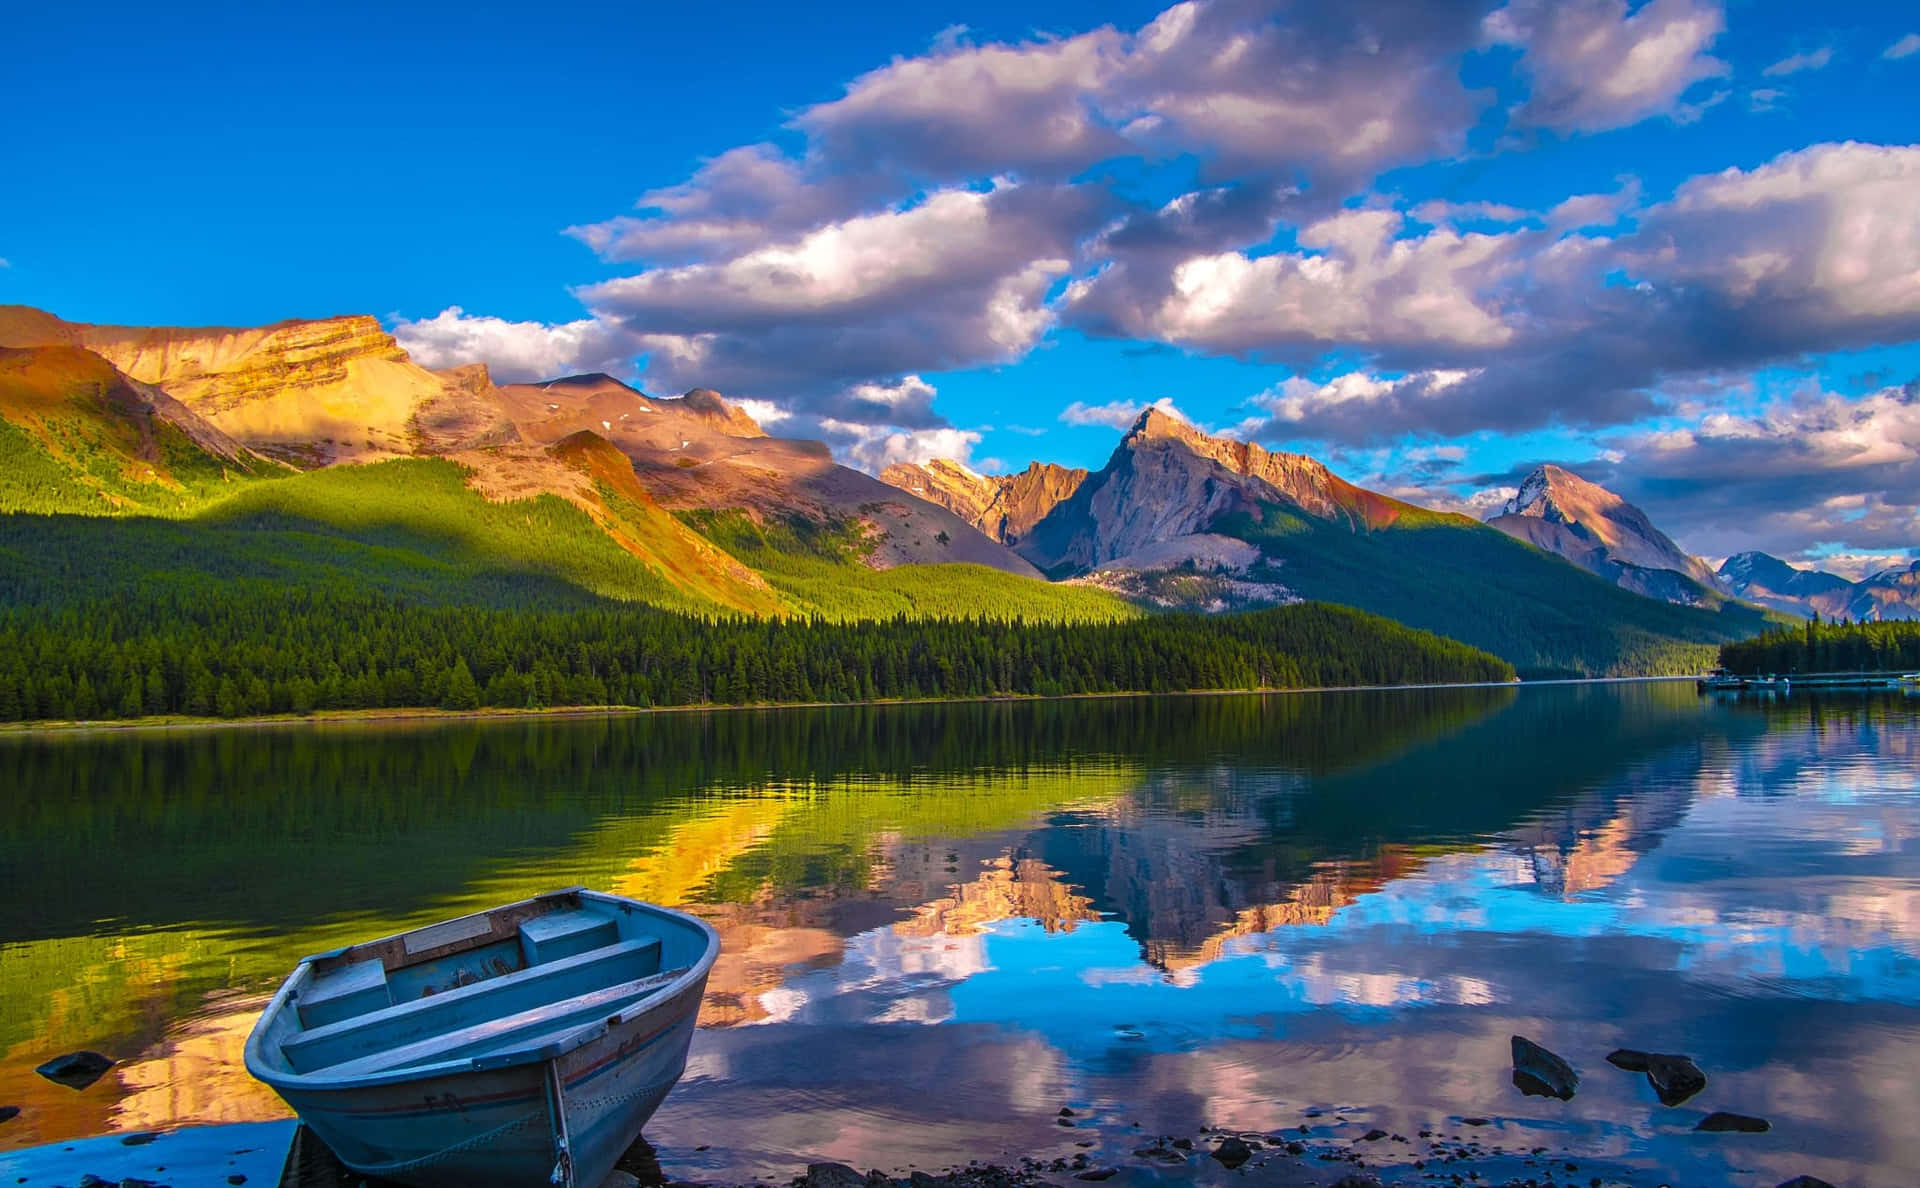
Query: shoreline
x,y
406,714
1459,1151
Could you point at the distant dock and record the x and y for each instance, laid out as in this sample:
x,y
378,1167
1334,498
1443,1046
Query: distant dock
x,y
1722,681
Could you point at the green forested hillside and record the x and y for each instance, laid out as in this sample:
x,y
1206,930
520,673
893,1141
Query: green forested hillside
x,y
249,647
410,528
415,529
1445,574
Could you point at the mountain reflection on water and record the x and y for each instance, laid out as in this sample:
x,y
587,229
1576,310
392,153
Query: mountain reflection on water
x,y
942,923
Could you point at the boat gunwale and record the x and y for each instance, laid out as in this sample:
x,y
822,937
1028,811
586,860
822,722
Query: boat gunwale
x,y
318,1081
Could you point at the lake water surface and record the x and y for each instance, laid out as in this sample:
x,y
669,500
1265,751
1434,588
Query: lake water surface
x,y
944,923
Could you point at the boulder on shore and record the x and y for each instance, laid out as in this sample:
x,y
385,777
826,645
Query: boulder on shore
x,y
833,1175
1232,1152
1539,1073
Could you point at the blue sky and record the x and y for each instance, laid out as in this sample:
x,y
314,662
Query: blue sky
x,y
1673,244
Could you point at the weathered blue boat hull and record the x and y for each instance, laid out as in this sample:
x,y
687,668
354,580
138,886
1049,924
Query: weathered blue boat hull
x,y
485,1116
480,1128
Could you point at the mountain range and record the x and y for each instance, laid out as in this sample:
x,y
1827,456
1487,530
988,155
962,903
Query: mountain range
x,y
1770,582
1183,519
317,452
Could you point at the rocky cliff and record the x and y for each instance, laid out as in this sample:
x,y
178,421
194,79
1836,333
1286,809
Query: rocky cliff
x,y
1004,506
311,392
1594,528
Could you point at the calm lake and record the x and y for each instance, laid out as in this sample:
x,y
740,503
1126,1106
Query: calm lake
x,y
944,923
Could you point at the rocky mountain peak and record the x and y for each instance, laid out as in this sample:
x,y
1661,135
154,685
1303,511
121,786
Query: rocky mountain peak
x,y
1302,480
1157,424
1557,510
1745,569
1556,494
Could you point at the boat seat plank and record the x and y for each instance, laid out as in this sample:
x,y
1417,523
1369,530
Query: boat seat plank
x,y
508,994
565,934
527,1029
351,990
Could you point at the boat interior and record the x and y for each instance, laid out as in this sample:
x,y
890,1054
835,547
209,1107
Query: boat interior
x,y
492,989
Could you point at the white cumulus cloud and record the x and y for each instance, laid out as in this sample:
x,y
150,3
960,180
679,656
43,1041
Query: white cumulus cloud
x,y
1595,65
1116,414
957,279
873,448
516,351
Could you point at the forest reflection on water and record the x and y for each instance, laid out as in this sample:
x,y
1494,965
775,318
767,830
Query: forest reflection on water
x,y
1170,911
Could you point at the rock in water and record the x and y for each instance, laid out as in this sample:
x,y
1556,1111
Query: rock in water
x,y
1630,1059
1539,1073
1721,1122
1232,1153
75,1070
1805,1182
1674,1078
833,1175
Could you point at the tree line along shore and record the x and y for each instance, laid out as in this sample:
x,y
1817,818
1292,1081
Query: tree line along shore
x,y
257,650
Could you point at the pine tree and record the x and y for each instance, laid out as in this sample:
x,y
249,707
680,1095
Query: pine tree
x,y
462,692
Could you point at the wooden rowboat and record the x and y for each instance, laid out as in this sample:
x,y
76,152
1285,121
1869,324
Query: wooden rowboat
x,y
523,1045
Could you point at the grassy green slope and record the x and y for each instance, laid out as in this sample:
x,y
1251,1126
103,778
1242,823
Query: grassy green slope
x,y
76,438
1448,575
816,567
414,528
425,508
411,527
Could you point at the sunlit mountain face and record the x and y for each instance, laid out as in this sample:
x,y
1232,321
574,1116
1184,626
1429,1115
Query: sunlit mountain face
x,y
1227,910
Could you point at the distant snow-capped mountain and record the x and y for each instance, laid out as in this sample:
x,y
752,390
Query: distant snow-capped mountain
x,y
1771,582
